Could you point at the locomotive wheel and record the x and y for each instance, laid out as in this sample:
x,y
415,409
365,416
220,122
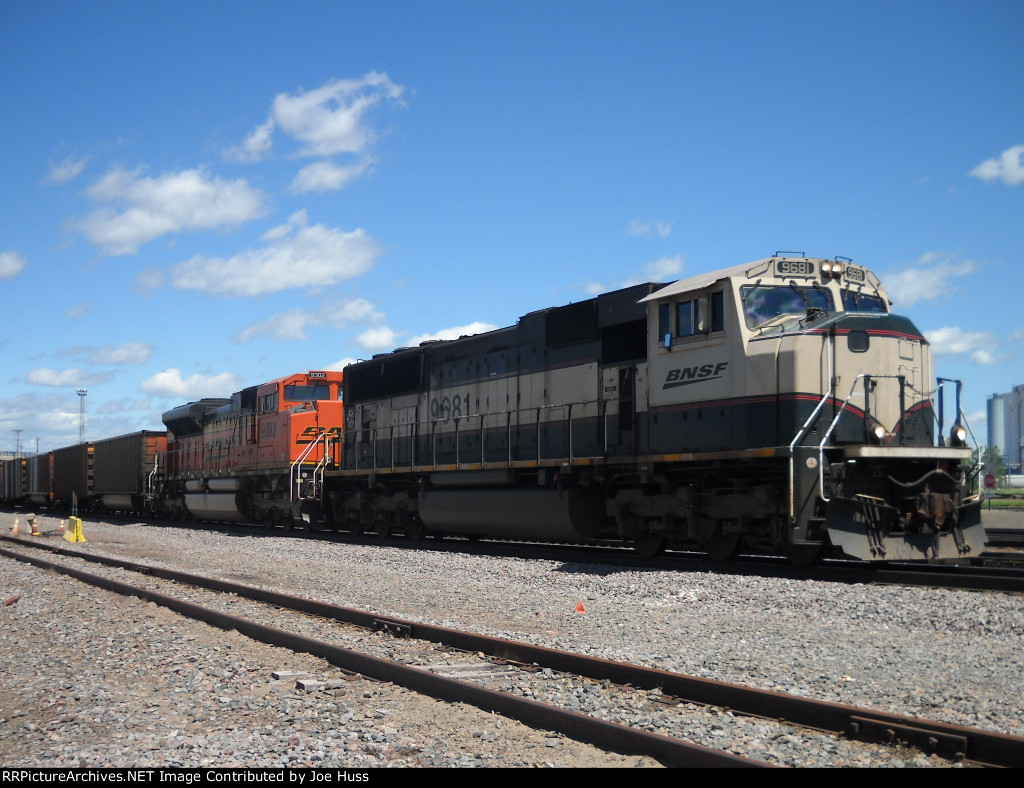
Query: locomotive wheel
x,y
722,547
415,530
400,523
649,545
384,528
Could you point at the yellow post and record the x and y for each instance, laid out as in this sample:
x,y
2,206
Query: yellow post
x,y
74,532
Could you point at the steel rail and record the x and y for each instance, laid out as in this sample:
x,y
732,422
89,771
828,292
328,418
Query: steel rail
x,y
611,736
951,741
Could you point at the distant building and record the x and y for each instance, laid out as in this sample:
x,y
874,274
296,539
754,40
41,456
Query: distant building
x,y
1005,417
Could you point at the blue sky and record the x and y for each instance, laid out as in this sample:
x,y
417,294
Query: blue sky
x,y
196,197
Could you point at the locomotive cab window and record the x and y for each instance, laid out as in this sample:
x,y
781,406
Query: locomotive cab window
x,y
268,403
310,393
764,303
854,301
704,314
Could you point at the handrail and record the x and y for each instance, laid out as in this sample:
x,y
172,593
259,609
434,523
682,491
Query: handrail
x,y
152,473
415,428
792,451
800,433
321,467
293,478
835,423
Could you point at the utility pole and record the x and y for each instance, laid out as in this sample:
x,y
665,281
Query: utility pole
x,y
81,414
17,451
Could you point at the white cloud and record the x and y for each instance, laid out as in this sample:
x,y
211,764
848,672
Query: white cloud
x,y
78,309
12,263
325,175
72,378
928,278
380,338
455,332
293,323
65,171
139,208
331,119
300,257
128,353
284,325
53,417
255,147
296,220
150,279
664,269
1009,167
979,345
169,383
342,363
327,120
643,228
124,405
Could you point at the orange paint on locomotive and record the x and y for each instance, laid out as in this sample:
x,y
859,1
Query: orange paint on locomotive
x,y
288,414
293,412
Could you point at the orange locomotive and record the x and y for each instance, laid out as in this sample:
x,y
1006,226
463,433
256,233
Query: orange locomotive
x,y
258,456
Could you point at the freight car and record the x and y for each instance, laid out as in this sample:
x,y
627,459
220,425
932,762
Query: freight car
x,y
125,470
777,407
39,480
13,473
113,474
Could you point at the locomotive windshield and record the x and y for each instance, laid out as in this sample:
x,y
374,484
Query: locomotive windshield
x,y
762,303
860,302
307,393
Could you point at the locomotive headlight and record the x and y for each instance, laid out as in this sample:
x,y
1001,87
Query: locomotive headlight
x,y
958,435
831,268
877,432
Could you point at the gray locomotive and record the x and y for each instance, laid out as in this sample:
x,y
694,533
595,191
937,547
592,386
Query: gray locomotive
x,y
775,407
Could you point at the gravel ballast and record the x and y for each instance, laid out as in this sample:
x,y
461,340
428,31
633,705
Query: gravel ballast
x,y
99,680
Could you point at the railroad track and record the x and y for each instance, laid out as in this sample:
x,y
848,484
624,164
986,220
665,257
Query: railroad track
x,y
992,571
514,679
1005,537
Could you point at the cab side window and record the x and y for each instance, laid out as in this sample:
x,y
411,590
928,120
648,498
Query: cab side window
x,y
716,302
701,315
268,403
687,317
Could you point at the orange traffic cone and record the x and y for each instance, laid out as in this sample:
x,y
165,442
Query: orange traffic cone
x,y
580,608
62,526
35,528
14,528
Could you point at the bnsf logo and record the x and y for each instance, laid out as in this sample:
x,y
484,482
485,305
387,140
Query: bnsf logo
x,y
699,374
